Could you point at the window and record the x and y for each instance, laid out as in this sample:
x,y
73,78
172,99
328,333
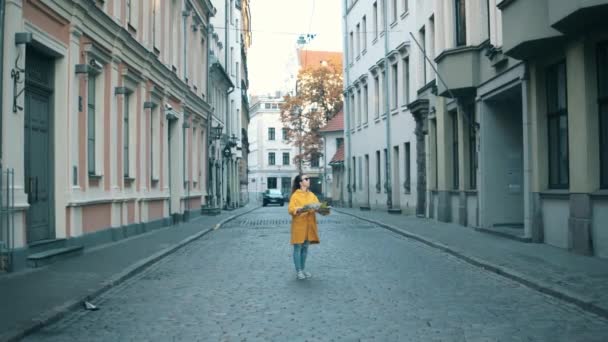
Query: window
x,y
407,185
602,67
406,6
364,32
284,133
272,183
406,80
472,149
91,117
125,139
395,90
386,169
155,36
376,97
271,133
266,105
129,10
375,20
394,12
455,180
286,158
339,142
271,158
382,94
383,14
365,108
314,160
557,118
360,173
354,174
237,78
286,185
358,30
423,43
353,110
232,61
359,109
237,31
352,46
461,23
378,172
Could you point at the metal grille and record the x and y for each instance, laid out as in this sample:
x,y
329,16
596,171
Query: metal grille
x,y
7,218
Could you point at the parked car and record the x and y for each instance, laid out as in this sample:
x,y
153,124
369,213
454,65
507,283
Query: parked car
x,y
273,196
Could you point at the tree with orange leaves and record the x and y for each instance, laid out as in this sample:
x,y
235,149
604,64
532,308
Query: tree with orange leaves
x,y
318,98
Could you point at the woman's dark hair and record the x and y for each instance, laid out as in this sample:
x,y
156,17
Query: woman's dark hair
x,y
296,183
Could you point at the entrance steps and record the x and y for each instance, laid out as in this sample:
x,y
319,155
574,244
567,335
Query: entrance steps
x,y
48,251
513,231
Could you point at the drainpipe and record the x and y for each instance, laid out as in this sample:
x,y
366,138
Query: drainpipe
x,y
1,67
209,115
389,191
347,111
527,154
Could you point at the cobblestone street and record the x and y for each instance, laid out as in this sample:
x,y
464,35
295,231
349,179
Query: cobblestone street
x,y
238,284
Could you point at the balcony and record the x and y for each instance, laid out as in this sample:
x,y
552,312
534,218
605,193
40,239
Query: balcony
x,y
459,68
527,32
576,16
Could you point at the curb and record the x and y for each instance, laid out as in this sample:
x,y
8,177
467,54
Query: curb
x,y
528,281
62,310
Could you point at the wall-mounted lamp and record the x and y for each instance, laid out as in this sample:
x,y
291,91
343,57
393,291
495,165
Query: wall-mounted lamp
x,y
21,38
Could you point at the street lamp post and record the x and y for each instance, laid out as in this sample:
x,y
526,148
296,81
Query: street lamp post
x,y
297,111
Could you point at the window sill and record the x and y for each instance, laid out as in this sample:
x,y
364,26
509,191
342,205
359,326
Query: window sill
x,y
154,180
393,24
365,125
375,40
132,30
404,107
405,14
555,193
128,179
377,120
395,111
364,52
382,34
602,193
357,58
95,177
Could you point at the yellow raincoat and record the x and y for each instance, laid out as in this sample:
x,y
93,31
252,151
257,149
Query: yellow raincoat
x,y
303,226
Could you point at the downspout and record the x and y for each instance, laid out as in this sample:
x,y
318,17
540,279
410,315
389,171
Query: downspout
x,y
528,203
185,14
389,192
209,116
1,68
347,111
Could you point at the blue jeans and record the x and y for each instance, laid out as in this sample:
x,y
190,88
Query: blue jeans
x,y
299,255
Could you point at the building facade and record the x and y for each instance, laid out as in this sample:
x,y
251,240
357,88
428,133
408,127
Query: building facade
x,y
514,122
271,156
379,85
105,131
333,148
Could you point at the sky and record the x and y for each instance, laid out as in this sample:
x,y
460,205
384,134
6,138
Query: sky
x,y
276,26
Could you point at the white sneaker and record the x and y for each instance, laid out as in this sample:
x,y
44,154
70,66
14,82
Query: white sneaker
x,y
307,274
300,275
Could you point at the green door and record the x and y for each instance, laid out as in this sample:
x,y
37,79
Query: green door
x,y
38,142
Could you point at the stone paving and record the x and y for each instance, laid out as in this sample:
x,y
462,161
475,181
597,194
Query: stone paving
x,y
238,284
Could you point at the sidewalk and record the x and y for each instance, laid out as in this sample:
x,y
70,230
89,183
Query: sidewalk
x,y
37,297
577,279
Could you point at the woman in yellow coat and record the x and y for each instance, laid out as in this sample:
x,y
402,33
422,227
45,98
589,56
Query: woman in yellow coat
x,y
303,224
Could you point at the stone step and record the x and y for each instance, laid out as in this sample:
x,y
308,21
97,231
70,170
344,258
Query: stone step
x,y
50,256
45,245
513,233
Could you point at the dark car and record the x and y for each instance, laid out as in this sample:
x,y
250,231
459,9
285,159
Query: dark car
x,y
273,196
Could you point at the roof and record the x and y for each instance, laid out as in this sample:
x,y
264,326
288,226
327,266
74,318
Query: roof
x,y
338,158
307,58
336,123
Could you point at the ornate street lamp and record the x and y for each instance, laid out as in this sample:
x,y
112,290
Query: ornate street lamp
x,y
216,132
